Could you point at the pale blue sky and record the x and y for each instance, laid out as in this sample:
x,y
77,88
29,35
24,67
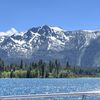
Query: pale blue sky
x,y
68,14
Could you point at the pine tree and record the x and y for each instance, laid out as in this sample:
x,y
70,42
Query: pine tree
x,y
11,74
21,64
67,65
28,74
57,67
50,66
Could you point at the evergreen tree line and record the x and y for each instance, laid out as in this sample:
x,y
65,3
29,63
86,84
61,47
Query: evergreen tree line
x,y
42,69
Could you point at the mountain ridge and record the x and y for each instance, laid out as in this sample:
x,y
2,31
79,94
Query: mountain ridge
x,y
48,43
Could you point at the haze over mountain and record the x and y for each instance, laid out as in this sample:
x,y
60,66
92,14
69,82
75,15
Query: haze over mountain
x,y
79,47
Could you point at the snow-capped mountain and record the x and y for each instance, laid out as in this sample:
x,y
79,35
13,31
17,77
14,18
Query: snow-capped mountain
x,y
9,32
80,47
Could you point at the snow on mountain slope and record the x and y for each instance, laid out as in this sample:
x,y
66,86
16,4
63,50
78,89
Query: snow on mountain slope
x,y
55,44
35,35
57,29
20,42
90,35
1,39
10,32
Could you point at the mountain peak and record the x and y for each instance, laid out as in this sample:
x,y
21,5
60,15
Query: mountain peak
x,y
56,28
53,28
13,30
45,26
10,32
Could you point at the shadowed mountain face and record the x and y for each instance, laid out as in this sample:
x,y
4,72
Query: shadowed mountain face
x,y
80,48
91,56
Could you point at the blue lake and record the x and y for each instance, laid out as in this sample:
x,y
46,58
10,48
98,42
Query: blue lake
x,y
45,86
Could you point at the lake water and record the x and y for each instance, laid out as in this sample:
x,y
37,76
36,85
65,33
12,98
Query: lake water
x,y
45,86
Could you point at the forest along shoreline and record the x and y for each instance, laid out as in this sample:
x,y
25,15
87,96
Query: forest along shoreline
x,y
42,69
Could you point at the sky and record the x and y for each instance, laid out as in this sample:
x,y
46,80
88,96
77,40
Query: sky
x,y
67,14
